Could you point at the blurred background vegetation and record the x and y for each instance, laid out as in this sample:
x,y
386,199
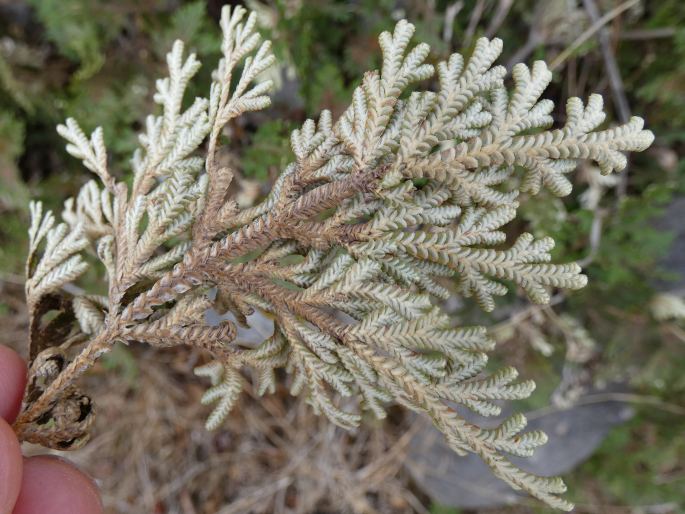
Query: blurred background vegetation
x,y
96,60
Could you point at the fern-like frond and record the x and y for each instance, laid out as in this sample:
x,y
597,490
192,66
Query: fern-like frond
x,y
60,261
383,212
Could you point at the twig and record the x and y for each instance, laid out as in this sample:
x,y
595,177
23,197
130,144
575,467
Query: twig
x,y
615,82
94,349
536,36
597,25
521,315
503,8
613,72
245,502
476,15
595,238
450,14
646,34
613,397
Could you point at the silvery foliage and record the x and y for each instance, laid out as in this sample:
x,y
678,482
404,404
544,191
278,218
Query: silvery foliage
x,y
352,278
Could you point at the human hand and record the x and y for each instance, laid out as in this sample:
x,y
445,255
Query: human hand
x,y
41,484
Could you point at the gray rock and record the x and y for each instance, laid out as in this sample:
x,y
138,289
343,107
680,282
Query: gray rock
x,y
673,221
466,482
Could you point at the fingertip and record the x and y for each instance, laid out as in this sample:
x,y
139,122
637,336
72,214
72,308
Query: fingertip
x,y
51,484
12,383
10,468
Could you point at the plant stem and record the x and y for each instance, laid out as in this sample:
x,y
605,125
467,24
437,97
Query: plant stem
x,y
93,350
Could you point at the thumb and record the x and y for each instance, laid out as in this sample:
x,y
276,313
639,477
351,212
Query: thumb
x,y
10,468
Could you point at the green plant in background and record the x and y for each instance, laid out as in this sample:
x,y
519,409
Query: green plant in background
x,y
650,447
13,192
12,131
81,30
269,150
658,81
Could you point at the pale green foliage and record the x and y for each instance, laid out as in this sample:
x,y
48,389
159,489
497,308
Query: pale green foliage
x,y
61,262
227,384
351,280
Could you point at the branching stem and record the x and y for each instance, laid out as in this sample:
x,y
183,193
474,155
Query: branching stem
x,y
93,350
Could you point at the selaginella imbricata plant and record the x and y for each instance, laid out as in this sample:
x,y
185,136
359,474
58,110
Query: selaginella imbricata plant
x,y
348,253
